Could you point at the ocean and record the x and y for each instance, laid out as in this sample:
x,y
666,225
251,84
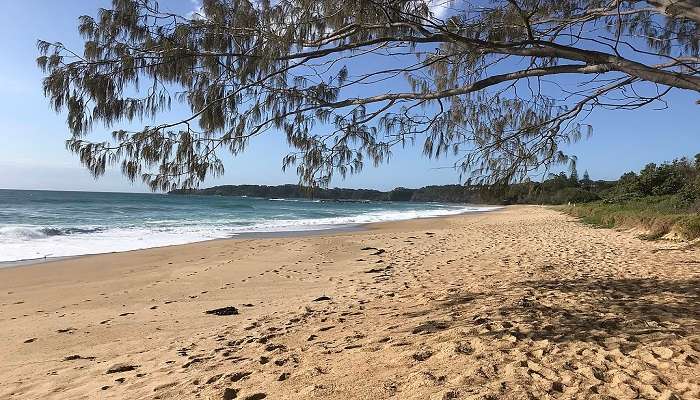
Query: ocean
x,y
42,224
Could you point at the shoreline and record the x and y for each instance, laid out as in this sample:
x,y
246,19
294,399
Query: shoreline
x,y
249,235
241,236
522,301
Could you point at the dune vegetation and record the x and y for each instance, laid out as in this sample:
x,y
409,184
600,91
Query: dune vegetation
x,y
663,200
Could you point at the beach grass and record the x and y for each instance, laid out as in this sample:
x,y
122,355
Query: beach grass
x,y
657,215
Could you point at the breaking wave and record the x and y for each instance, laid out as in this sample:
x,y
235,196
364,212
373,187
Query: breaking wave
x,y
151,222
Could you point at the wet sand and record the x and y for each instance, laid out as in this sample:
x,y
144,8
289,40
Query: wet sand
x,y
519,303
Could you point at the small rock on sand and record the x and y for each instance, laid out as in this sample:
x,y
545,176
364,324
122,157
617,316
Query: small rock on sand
x,y
121,367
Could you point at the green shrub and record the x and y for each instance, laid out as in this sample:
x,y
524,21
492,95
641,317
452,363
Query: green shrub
x,y
689,227
574,195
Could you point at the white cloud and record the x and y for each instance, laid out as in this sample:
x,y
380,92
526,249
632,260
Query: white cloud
x,y
440,8
198,11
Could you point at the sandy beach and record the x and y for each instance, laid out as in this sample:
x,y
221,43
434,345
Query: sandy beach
x,y
520,303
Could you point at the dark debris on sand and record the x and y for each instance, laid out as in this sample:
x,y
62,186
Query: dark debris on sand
x,y
77,357
430,327
223,311
121,367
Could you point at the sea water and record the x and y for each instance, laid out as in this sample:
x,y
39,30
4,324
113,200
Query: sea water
x,y
41,224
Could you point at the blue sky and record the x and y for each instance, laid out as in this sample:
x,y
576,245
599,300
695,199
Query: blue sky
x,y
32,153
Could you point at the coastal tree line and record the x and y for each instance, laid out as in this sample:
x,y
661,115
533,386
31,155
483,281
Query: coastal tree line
x,y
676,182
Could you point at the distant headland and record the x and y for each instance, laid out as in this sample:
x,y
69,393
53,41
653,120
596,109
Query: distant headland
x,y
558,189
438,193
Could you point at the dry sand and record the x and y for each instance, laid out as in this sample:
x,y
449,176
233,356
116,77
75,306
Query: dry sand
x,y
516,304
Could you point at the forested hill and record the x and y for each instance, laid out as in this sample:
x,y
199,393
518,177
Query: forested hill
x,y
559,189
677,182
443,193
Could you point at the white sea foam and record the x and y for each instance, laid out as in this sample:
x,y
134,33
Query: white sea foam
x,y
10,233
32,242
25,247
365,218
295,200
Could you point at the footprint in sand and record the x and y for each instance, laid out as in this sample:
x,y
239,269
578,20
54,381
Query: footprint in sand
x,y
229,394
237,376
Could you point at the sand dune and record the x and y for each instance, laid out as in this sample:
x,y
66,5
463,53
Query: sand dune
x,y
516,304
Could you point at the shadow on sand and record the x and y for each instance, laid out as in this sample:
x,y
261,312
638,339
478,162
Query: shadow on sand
x,y
619,313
